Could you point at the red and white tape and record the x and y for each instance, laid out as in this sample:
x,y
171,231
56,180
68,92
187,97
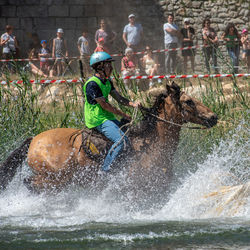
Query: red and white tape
x,y
119,54
37,59
43,81
166,50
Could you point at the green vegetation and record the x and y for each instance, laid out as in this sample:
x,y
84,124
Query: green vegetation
x,y
22,114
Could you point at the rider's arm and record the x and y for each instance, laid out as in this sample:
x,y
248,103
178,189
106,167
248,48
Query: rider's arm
x,y
107,106
122,100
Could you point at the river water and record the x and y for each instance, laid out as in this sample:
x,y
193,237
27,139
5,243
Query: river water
x,y
199,213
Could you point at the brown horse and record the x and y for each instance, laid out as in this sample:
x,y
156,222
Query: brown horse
x,y
56,159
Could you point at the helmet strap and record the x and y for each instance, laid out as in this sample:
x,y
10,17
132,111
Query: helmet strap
x,y
100,70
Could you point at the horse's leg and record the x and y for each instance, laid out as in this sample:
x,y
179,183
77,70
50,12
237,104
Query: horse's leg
x,y
49,182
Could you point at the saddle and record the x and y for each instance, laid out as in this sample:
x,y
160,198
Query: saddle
x,y
94,144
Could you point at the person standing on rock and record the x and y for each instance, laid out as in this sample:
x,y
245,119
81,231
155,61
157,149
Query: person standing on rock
x,y
83,45
133,34
232,38
107,34
172,36
59,52
210,42
188,34
10,47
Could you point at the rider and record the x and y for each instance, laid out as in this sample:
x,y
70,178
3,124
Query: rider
x,y
98,112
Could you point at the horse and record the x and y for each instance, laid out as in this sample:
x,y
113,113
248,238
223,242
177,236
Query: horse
x,y
57,158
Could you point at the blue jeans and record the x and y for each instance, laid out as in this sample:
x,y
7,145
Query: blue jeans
x,y
234,55
111,129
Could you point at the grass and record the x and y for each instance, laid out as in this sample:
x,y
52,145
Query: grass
x,y
22,113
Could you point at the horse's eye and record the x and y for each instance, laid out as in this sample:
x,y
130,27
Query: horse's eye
x,y
189,103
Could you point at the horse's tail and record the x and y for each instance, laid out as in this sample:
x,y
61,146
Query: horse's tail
x,y
9,166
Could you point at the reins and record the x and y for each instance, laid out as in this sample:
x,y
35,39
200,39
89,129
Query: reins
x,y
169,122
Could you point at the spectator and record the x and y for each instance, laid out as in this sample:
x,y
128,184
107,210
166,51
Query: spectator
x,y
210,40
188,34
106,33
83,45
171,39
43,54
129,65
150,64
59,52
232,38
10,46
245,47
101,46
31,67
133,34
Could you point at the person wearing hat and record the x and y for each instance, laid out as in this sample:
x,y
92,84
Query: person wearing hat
x,y
59,52
245,47
99,113
83,45
188,35
43,54
172,36
133,34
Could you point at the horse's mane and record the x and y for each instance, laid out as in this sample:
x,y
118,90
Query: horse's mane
x,y
148,124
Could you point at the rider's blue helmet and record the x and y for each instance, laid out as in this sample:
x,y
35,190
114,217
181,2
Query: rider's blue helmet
x,y
98,57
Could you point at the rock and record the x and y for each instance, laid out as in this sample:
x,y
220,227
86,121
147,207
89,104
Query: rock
x,y
58,11
181,12
14,22
237,21
187,3
196,4
76,11
8,11
223,15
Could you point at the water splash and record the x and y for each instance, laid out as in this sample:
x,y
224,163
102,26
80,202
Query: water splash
x,y
200,196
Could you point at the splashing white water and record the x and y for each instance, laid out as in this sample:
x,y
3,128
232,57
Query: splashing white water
x,y
225,166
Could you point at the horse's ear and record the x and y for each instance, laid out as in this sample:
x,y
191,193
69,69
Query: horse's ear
x,y
173,89
168,88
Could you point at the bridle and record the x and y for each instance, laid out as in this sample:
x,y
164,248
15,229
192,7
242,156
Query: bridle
x,y
152,113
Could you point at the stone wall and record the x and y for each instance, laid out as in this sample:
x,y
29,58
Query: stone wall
x,y
221,12
45,16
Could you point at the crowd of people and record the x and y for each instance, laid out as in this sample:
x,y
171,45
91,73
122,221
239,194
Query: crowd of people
x,y
133,38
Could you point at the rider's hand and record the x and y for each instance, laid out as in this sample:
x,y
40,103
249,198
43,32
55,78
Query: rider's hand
x,y
135,104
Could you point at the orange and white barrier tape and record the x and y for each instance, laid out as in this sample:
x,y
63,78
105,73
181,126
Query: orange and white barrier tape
x,y
166,50
118,54
43,81
37,59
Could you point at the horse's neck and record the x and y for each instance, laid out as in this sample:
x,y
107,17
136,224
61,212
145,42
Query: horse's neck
x,y
168,132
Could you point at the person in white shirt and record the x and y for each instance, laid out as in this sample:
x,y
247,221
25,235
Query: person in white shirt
x,y
133,34
9,43
84,50
172,35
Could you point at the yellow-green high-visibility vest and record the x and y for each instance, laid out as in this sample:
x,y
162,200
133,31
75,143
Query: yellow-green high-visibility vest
x,y
94,114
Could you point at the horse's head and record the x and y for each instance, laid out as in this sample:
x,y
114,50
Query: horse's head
x,y
178,107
